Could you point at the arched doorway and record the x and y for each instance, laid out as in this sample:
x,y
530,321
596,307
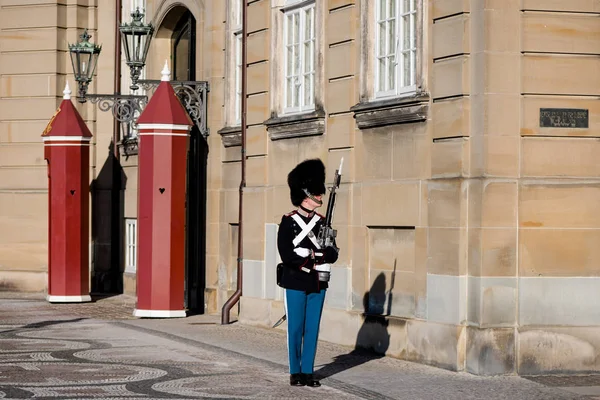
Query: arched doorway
x,y
178,31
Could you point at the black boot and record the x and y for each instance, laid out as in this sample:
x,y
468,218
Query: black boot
x,y
297,380
309,380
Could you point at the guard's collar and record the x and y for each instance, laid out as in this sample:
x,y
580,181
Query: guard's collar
x,y
305,212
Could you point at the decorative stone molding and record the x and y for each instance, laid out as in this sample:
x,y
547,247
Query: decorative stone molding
x,y
299,125
391,111
231,136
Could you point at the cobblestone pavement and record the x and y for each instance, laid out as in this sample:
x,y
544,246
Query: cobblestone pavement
x,y
99,351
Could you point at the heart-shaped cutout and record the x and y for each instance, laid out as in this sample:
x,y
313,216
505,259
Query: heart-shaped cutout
x,y
161,190
72,192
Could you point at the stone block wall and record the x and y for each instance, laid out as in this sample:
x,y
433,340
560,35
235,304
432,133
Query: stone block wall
x,y
34,66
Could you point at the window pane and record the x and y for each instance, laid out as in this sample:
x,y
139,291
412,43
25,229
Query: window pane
x,y
382,70
296,70
182,51
308,59
406,6
308,25
238,12
392,37
407,69
413,31
289,87
382,7
406,32
312,90
290,31
391,11
307,91
413,67
312,23
296,27
289,61
382,36
297,87
391,73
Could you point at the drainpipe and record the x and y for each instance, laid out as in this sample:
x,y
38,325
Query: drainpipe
x,y
238,292
115,192
117,78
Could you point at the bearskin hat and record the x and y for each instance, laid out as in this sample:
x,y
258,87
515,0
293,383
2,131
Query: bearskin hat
x,y
309,175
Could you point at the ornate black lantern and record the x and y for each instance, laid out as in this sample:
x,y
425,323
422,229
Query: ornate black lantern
x,y
84,57
136,37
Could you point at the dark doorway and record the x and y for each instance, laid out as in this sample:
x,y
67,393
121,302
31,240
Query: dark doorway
x,y
196,223
184,48
184,69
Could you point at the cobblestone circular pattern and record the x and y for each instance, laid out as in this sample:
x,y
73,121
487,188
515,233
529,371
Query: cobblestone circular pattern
x,y
61,373
39,345
87,331
240,386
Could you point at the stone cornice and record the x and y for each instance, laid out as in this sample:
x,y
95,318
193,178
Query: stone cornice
x,y
297,125
231,136
398,110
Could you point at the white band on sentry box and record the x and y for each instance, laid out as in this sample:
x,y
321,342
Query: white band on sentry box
x,y
159,313
68,299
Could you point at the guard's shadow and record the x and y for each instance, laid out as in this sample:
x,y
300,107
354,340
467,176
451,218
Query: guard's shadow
x,y
40,325
373,338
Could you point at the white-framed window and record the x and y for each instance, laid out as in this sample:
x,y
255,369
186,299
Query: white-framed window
x,y
396,32
238,79
130,245
299,59
236,18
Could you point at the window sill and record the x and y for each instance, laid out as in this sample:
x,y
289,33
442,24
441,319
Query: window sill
x,y
231,136
296,125
397,110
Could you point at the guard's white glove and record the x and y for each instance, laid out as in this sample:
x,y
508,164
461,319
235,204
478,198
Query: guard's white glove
x,y
302,252
323,267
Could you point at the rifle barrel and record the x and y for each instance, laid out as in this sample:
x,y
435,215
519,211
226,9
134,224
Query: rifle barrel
x,y
330,205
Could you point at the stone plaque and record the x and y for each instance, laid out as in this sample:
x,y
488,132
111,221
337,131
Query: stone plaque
x,y
564,118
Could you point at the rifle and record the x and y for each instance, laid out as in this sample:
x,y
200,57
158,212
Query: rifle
x,y
327,234
280,321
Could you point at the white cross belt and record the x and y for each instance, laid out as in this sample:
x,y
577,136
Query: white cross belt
x,y
306,229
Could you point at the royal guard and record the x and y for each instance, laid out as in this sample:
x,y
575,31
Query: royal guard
x,y
306,244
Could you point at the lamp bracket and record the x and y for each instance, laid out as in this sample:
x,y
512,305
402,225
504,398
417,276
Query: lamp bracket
x,y
191,94
125,108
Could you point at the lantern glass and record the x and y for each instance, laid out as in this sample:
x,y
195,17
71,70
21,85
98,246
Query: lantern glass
x,y
84,59
136,37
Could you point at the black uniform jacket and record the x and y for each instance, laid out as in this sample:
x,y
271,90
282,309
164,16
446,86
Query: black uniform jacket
x,y
295,275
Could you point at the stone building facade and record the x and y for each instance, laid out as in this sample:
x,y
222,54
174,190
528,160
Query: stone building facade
x,y
467,214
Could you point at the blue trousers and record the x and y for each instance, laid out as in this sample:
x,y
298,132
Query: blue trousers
x,y
303,317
